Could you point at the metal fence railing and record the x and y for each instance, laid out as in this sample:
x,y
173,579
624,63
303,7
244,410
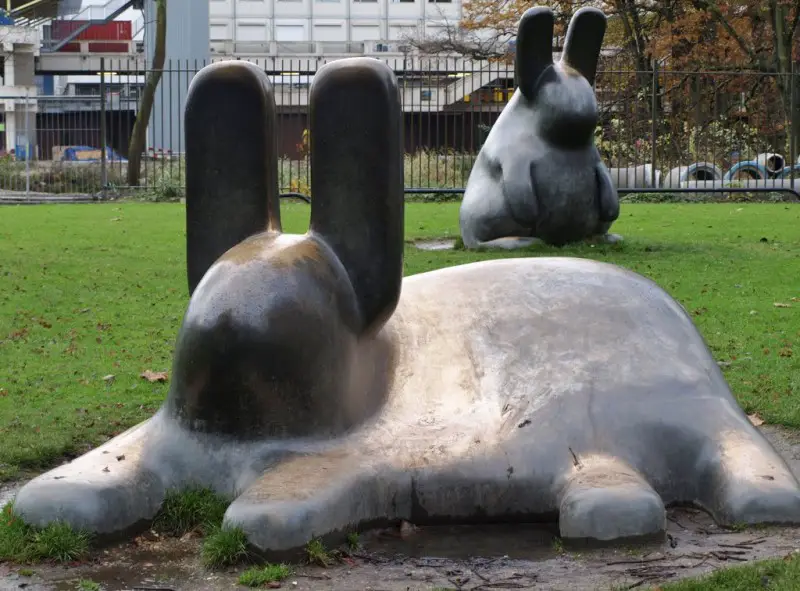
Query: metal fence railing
x,y
660,130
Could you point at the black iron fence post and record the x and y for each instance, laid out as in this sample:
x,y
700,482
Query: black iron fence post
x,y
447,104
654,124
27,140
103,149
794,88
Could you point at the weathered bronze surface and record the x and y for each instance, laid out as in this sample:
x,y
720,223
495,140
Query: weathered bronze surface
x,y
231,150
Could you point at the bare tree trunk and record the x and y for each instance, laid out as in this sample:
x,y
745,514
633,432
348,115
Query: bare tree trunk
x,y
138,135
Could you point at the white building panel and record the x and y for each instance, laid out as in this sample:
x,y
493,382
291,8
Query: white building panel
x,y
330,31
289,31
252,30
366,32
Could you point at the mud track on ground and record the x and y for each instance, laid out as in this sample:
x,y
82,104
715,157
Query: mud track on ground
x,y
474,558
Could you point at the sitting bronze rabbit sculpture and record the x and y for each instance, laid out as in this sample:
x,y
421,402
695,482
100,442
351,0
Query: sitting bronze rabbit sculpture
x,y
538,176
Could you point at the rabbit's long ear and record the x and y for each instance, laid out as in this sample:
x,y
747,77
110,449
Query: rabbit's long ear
x,y
357,178
584,41
231,162
534,48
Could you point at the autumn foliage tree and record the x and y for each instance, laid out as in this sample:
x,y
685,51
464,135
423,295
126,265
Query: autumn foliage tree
x,y
747,49
488,25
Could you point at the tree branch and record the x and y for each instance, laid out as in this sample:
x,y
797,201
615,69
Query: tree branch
x,y
464,41
714,9
795,22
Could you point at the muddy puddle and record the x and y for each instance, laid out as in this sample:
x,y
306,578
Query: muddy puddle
x,y
514,541
463,558
8,491
435,244
479,558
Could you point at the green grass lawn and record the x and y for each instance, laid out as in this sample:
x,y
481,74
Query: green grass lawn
x,y
88,292
773,575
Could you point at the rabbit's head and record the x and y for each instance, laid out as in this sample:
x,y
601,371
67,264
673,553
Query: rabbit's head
x,y
270,342
561,93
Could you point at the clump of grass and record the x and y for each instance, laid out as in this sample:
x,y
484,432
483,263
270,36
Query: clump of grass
x,y
270,573
87,585
318,554
353,541
15,536
778,574
22,543
60,542
193,509
224,547
558,546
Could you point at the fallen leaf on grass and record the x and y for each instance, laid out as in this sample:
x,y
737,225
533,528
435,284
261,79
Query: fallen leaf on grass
x,y
155,376
781,305
756,420
109,378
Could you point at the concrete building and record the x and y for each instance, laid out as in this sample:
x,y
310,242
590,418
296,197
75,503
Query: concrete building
x,y
24,39
259,28
19,47
187,45
290,39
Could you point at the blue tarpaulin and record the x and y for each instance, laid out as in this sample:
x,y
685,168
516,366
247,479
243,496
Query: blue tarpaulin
x,y
89,154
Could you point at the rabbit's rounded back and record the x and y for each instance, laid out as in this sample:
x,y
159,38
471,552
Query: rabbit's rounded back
x,y
561,93
273,337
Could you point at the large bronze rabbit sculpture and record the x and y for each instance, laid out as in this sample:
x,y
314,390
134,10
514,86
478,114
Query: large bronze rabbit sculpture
x,y
538,176
323,392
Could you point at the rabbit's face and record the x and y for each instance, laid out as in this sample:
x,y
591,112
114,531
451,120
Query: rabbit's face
x,y
271,331
568,108
561,93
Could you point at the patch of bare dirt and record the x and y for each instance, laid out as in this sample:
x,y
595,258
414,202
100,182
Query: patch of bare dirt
x,y
463,558
435,244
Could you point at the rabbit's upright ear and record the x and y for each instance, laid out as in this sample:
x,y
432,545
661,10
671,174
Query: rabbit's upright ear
x,y
357,178
584,42
231,162
534,48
